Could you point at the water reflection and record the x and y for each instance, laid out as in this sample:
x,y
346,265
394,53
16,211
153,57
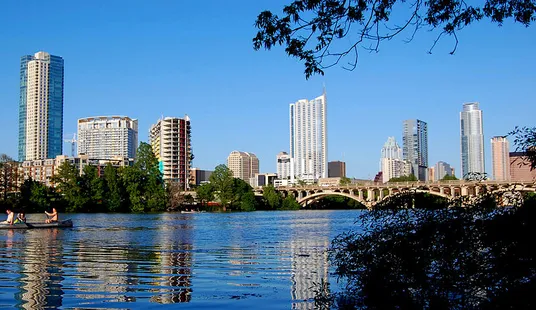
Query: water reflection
x,y
129,261
310,264
41,272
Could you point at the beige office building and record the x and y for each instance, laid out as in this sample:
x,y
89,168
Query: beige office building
x,y
500,157
244,165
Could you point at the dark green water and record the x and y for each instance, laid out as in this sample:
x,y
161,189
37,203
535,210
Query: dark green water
x,y
257,260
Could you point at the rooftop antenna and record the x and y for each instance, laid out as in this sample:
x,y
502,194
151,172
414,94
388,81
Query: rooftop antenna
x,y
72,141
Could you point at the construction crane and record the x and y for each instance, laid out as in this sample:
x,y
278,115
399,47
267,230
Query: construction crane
x,y
72,141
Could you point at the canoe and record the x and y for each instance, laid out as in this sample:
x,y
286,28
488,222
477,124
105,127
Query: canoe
x,y
60,224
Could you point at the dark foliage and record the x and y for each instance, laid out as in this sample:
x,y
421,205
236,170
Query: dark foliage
x,y
311,30
525,141
477,256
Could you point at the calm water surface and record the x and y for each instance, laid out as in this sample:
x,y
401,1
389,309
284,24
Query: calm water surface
x,y
257,260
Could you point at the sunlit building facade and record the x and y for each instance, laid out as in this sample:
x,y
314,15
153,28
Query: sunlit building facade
x,y
244,165
40,107
170,139
308,139
415,146
472,139
107,137
500,158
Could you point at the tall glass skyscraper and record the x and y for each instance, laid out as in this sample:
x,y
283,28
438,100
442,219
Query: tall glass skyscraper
x,y
308,139
472,139
415,146
40,106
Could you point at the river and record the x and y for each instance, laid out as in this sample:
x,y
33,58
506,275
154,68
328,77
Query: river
x,y
255,260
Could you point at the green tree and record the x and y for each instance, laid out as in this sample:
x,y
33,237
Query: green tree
x,y
92,187
345,181
205,193
321,33
243,196
144,183
114,195
404,178
35,197
8,175
222,182
449,178
272,196
290,203
67,182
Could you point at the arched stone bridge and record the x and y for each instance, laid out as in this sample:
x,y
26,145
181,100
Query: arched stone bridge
x,y
371,194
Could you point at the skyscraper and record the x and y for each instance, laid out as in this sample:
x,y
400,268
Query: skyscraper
x,y
308,139
244,166
500,157
415,146
391,163
107,137
170,139
391,149
40,106
472,139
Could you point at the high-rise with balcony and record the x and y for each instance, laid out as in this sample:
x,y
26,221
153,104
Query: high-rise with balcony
x,y
244,165
108,137
170,139
415,146
40,107
472,139
500,157
308,139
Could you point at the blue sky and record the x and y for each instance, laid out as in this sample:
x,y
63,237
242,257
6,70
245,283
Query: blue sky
x,y
145,59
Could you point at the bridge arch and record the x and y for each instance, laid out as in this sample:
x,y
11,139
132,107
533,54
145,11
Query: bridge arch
x,y
421,191
319,195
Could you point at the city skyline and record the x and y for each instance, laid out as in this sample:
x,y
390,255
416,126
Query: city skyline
x,y
111,70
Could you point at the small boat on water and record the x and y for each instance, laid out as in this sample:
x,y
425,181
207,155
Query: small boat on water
x,y
60,224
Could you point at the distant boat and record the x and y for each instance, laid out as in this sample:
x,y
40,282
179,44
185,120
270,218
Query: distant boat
x,y
193,211
60,224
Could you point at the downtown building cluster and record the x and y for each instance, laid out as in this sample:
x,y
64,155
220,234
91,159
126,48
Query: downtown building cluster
x,y
413,159
307,160
101,140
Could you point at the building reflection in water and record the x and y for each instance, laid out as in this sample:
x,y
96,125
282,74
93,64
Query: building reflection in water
x,y
310,265
175,259
41,269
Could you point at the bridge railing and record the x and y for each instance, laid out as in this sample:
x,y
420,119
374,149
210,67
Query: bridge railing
x,y
412,184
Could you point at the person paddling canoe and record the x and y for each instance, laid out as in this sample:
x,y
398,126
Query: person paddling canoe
x,y
52,217
10,216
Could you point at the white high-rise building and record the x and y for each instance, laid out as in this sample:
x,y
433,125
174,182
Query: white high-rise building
x,y
170,139
308,139
391,163
107,137
40,106
391,149
283,165
244,166
472,139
